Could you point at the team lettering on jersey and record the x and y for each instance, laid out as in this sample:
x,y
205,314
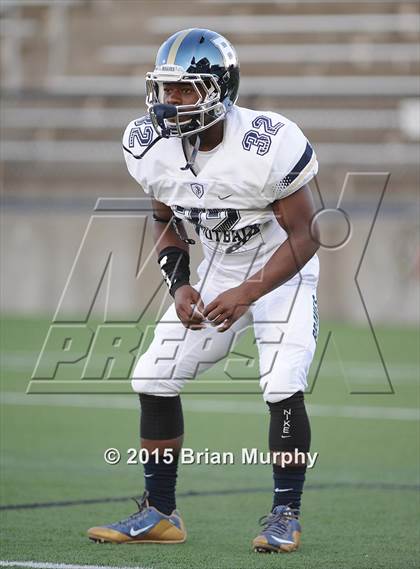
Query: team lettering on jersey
x,y
218,225
214,218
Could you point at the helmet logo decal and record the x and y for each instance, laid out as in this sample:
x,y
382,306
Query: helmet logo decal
x,y
198,189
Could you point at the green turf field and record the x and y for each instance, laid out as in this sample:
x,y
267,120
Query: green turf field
x,y
361,504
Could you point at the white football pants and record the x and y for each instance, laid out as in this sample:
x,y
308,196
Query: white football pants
x,y
285,323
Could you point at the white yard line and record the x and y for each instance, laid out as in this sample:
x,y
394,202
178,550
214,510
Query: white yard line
x,y
90,401
355,371
194,405
45,565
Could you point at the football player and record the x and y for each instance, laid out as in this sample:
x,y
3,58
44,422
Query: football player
x,y
240,178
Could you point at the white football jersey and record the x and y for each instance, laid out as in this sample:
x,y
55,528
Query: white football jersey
x,y
263,157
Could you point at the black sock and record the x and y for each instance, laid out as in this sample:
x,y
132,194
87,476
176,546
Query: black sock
x,y
160,482
288,486
161,419
289,431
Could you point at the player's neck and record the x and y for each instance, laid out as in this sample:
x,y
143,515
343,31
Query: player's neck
x,y
211,137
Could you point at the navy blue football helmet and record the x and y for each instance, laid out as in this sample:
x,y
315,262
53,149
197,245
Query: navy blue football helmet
x,y
204,59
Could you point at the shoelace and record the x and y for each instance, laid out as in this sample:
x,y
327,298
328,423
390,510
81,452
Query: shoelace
x,y
141,504
277,523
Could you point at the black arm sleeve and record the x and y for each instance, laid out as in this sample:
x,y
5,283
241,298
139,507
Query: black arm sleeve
x,y
175,267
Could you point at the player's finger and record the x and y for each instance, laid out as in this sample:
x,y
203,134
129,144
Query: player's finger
x,y
218,319
210,307
216,312
190,312
190,326
200,304
225,326
196,315
186,318
194,326
192,322
195,319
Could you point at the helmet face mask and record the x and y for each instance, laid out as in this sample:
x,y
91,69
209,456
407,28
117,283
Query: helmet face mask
x,y
206,61
191,118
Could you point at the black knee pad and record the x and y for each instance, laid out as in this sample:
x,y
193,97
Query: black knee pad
x,y
161,417
289,424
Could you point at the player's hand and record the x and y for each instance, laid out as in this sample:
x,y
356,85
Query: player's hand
x,y
226,308
189,307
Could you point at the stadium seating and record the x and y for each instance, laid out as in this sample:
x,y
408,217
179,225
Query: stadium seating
x,y
347,72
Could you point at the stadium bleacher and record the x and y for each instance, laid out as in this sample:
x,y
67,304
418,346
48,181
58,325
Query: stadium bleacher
x,y
72,77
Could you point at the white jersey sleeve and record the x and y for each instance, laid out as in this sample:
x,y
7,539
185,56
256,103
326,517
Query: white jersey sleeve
x,y
294,164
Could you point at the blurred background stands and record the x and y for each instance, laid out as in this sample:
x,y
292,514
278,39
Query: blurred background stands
x,y
72,77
